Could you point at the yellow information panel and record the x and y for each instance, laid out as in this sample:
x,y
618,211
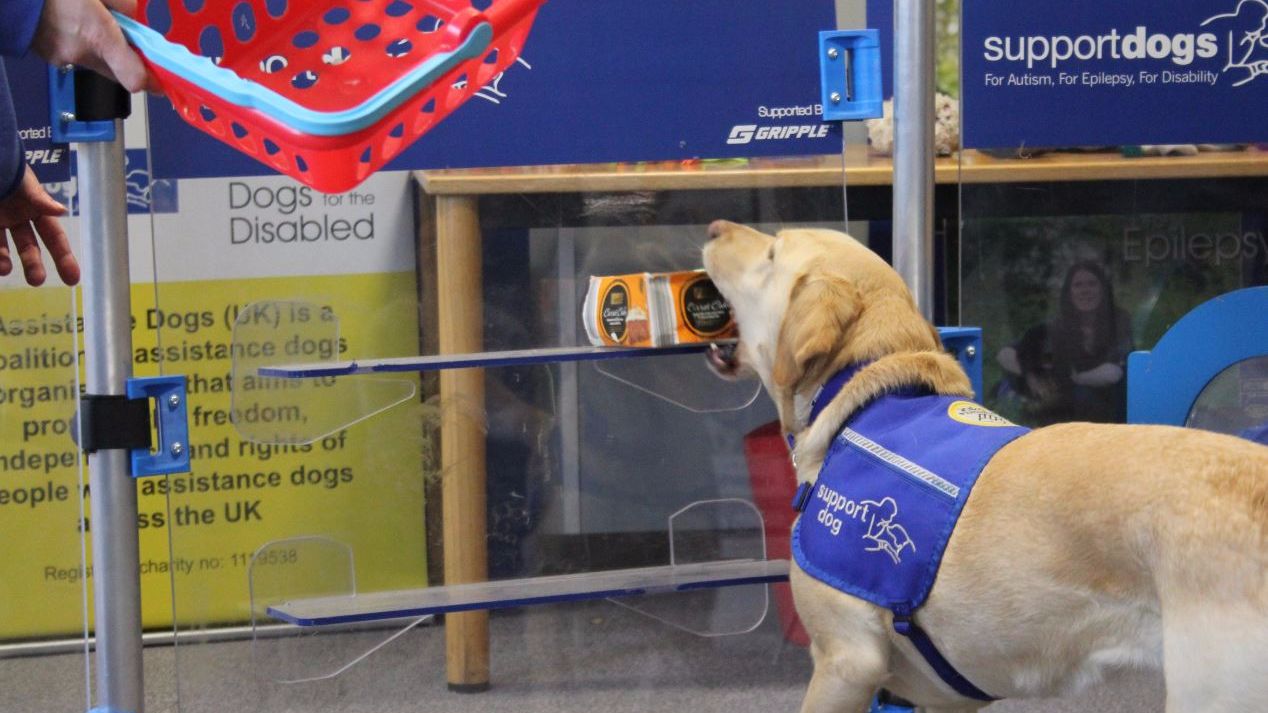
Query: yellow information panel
x,y
361,486
40,542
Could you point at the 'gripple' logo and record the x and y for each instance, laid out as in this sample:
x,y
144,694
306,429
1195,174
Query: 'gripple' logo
x,y
748,133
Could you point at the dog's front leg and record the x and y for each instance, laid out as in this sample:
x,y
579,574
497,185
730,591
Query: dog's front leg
x,y
840,686
848,643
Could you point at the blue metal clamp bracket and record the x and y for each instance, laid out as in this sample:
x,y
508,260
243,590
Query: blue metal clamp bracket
x,y
965,343
61,106
171,420
850,74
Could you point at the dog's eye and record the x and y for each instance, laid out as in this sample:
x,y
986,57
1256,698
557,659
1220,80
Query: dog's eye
x,y
770,254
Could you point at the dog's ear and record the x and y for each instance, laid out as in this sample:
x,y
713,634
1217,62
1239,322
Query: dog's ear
x,y
821,310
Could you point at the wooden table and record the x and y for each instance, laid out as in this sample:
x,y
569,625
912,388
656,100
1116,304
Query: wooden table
x,y
457,276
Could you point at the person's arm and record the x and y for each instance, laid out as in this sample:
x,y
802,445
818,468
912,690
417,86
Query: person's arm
x,y
1008,361
83,32
28,214
1009,358
12,156
1102,375
80,32
1112,370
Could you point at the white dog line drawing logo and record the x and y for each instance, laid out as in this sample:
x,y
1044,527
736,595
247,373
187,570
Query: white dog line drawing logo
x,y
1255,39
888,537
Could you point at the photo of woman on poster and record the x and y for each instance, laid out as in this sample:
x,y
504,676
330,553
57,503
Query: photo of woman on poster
x,y
1073,367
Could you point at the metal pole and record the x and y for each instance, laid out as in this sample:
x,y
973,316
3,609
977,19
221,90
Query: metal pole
x,y
103,215
913,147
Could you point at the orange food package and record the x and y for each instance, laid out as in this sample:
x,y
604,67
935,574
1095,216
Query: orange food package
x,y
655,309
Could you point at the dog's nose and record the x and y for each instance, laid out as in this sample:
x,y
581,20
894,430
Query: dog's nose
x,y
718,228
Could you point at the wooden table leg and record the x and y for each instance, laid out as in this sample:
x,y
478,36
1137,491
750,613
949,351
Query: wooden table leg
x,y
462,435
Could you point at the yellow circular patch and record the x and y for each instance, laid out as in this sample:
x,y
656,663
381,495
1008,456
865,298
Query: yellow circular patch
x,y
972,414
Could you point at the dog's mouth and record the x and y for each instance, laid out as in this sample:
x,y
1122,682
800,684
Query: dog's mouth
x,y
724,359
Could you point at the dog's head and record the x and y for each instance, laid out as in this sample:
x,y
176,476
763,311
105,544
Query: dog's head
x,y
807,303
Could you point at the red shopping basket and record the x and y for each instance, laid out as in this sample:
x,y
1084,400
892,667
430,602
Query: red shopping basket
x,y
330,90
774,483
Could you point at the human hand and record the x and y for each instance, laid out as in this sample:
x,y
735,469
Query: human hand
x,y
1009,361
27,212
83,32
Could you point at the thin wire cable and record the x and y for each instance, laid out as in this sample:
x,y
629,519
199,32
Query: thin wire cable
x,y
845,172
83,534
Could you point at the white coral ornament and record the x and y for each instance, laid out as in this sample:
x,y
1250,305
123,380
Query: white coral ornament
x,y
946,131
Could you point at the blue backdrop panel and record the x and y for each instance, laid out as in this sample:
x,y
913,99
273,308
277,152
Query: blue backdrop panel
x,y
1090,72
28,85
880,16
622,80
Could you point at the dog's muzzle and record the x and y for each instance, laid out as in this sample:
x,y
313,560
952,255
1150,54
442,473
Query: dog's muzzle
x,y
724,358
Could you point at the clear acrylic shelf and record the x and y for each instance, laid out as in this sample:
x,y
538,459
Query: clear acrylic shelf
x,y
474,360
378,606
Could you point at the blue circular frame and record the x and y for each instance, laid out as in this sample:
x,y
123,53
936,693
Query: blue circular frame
x,y
1163,384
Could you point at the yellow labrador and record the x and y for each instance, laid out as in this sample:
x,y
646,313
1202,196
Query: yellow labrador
x,y
1082,549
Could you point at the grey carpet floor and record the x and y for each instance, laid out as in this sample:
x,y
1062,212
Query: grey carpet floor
x,y
553,659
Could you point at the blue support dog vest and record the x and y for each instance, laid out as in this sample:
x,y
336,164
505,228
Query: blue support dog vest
x,y
876,521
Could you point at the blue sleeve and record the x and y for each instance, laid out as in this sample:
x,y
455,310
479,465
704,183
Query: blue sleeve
x,y
18,20
12,158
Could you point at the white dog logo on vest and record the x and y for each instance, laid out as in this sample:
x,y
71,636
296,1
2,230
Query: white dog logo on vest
x,y
885,535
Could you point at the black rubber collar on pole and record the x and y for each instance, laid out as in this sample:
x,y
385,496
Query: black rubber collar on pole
x,y
113,422
98,98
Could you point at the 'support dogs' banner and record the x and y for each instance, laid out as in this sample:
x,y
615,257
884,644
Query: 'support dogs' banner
x,y
1080,72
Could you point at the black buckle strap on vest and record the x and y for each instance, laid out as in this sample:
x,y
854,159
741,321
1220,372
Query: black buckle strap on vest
x,y
906,626
113,423
802,496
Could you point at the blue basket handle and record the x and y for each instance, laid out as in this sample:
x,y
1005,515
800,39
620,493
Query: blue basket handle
x,y
227,85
